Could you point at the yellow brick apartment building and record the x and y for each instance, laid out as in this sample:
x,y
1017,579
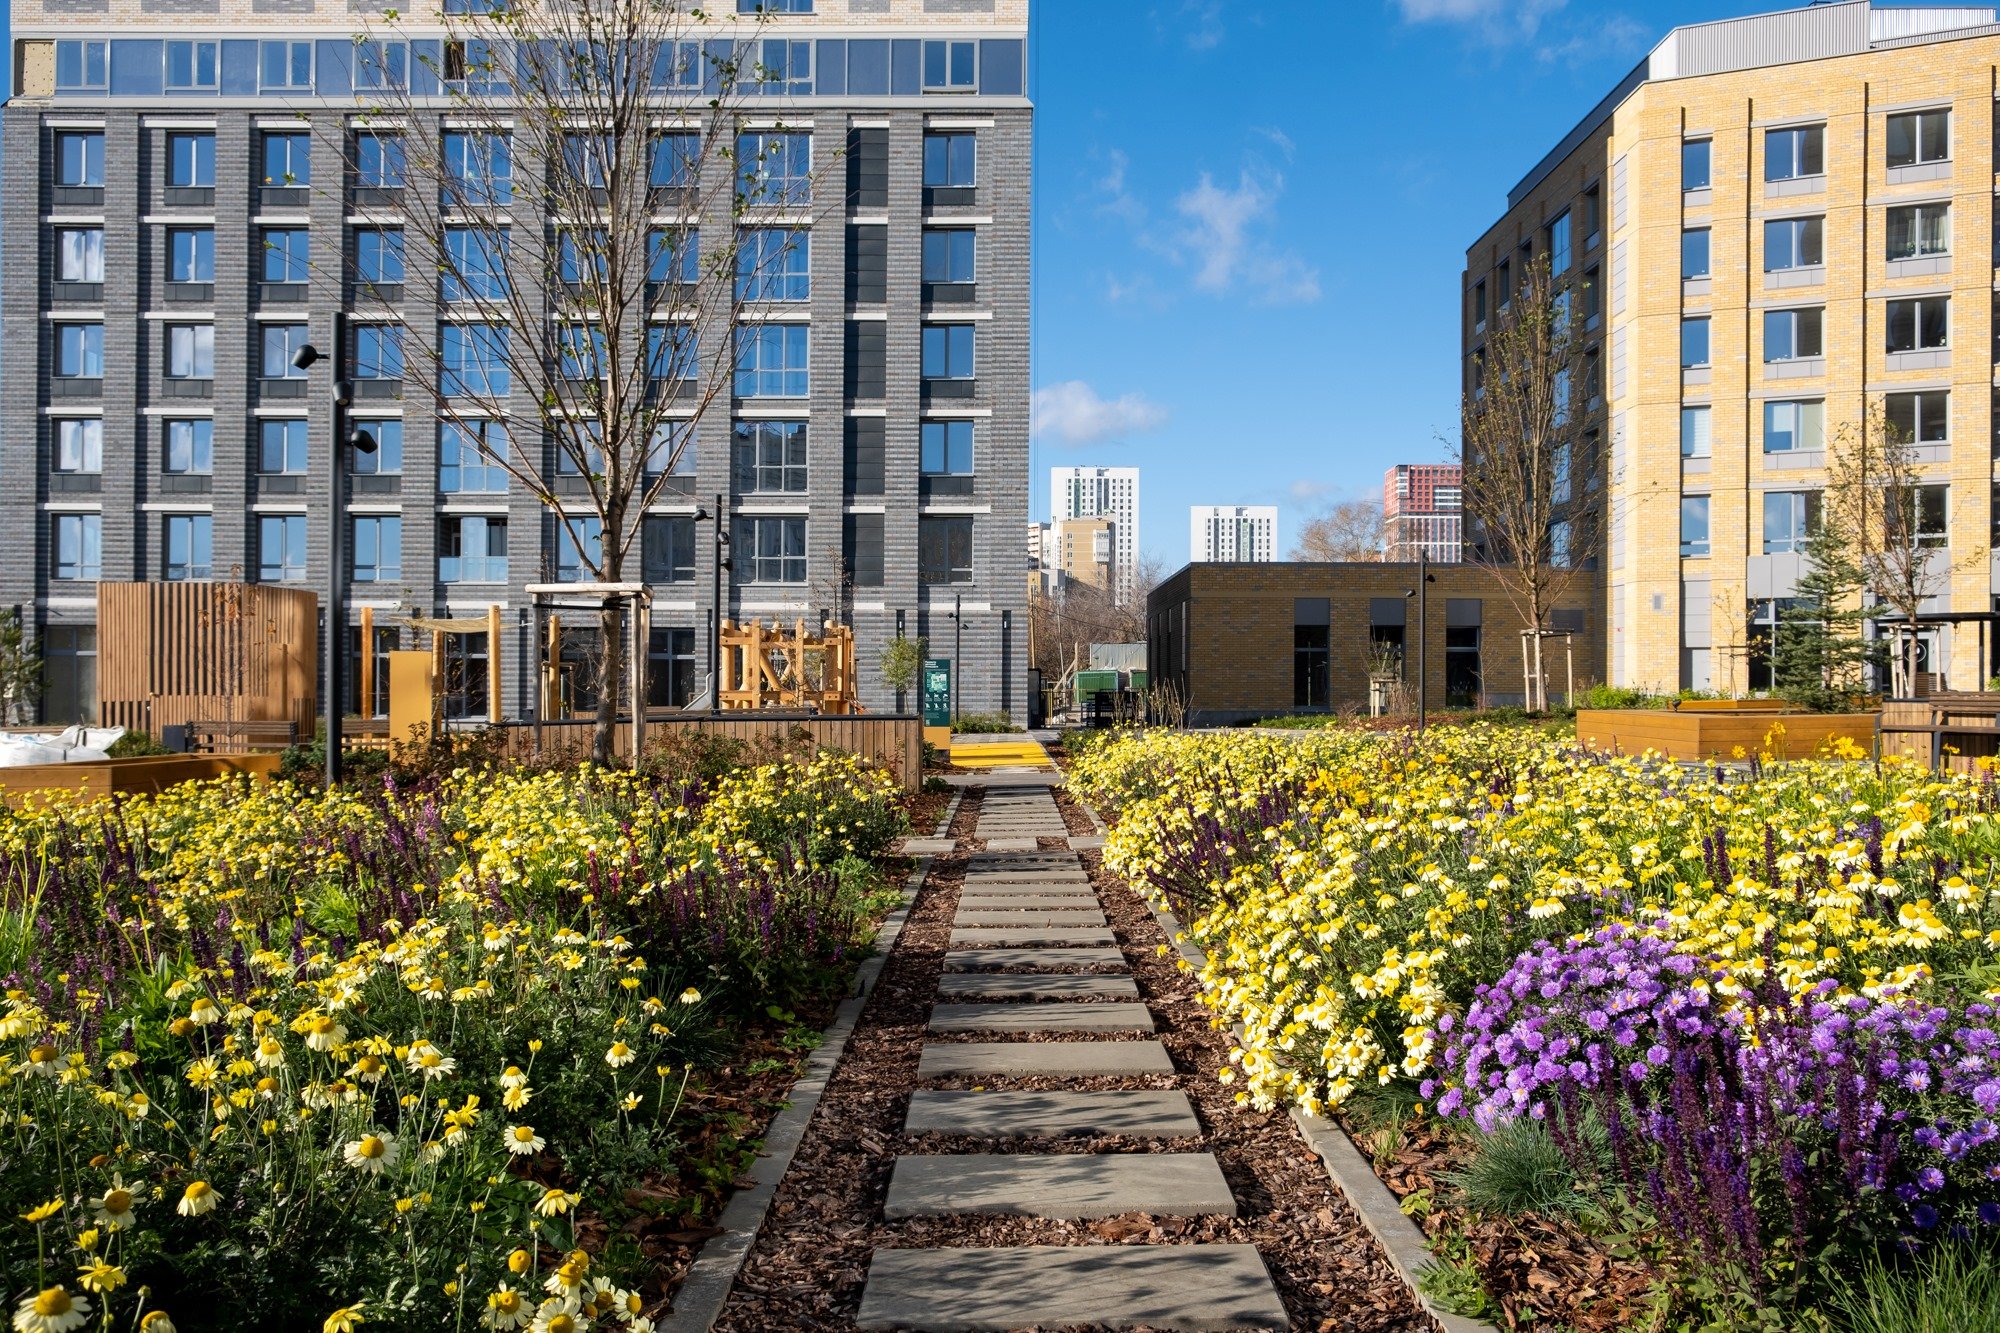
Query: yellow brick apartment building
x,y
1776,226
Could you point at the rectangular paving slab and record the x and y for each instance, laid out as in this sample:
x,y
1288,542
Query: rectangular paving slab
x,y
1041,1018
1071,875
1044,1059
1058,1185
1199,1288
1025,902
1052,1115
1009,844
986,960
977,917
1036,986
1030,935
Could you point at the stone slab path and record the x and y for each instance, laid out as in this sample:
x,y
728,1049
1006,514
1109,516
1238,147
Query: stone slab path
x,y
1027,908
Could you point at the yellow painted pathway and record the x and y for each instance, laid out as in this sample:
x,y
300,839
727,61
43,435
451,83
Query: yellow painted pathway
x,y
1022,753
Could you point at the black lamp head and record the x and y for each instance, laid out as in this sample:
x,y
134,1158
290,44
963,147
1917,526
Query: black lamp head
x,y
363,442
305,358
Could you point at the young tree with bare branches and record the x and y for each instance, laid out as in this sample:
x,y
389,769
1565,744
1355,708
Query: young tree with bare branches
x,y
608,233
1533,503
1349,531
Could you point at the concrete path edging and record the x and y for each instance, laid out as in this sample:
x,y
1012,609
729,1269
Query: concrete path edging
x,y
699,1302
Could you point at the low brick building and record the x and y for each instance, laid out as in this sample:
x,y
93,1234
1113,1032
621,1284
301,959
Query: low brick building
x,y
1240,641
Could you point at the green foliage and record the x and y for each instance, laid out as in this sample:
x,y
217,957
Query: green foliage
x,y
1453,1283
902,661
20,668
136,745
1953,1289
1819,658
984,724
1520,1169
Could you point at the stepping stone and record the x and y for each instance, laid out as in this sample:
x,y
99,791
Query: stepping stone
x,y
1052,1115
1071,874
1202,1288
1026,1018
1086,843
1028,902
982,960
1031,935
1044,1059
1058,1185
1036,986
1079,918
1009,844
928,847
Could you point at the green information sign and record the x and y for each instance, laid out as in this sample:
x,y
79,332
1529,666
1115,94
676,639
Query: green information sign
x,y
937,692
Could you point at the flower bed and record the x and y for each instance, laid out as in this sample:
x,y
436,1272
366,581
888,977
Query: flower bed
x,y
413,1058
1755,1012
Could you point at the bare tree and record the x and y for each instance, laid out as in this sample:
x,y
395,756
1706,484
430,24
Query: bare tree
x,y
1533,505
1066,622
1350,531
600,215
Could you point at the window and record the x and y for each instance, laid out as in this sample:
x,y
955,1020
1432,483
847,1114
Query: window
x,y
582,255
1696,164
1920,325
667,549
770,457
1503,282
379,64
287,160
1593,297
771,550
472,549
469,457
670,678
1917,137
676,256
776,168
190,547
1559,244
481,167
1919,230
378,548
79,547
280,343
944,550
950,256
285,66
287,254
191,67
1697,432
673,352
475,264
1311,633
948,351
774,6
191,161
1794,243
1694,343
951,161
378,351
588,159
378,254
281,548
191,255
579,449
475,360
1559,474
1919,418
678,67
80,351
191,351
281,446
80,159
1694,526
1794,335
70,652
580,351
1694,252
774,265
1929,506
674,159
1790,518
79,445
190,447
951,67
785,68
579,546
672,451
80,254
771,361
1794,426
378,161
81,67
1795,153
947,449
1478,300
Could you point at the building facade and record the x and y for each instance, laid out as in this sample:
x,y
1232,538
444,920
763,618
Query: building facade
x,y
1422,513
1232,533
1776,230
1109,493
1087,554
170,165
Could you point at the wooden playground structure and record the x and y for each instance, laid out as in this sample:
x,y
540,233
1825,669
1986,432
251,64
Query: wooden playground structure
x,y
768,668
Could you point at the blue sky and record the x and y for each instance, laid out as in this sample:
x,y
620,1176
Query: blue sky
x,y
1249,210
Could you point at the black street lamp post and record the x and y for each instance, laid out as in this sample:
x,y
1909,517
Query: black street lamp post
x,y
722,562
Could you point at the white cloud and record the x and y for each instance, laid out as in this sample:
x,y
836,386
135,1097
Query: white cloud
x,y
1073,414
1306,488
1204,20
1499,18
1227,255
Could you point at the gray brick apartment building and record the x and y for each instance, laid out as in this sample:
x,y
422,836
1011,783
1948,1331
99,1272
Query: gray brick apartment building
x,y
177,177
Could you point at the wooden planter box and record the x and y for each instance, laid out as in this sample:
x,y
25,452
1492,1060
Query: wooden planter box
x,y
110,777
1700,736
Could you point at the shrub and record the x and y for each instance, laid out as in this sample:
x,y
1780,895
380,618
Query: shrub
x,y
984,724
1519,1168
1951,1289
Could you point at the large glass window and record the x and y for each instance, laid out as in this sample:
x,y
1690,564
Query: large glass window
x,y
285,66
785,68
191,351
674,160
772,361
673,352
190,543
472,549
80,159
79,445
1794,243
191,254
770,457
667,549
1919,230
1792,153
1694,342
579,547
192,67
281,548
378,548
1919,418
1311,649
948,352
1696,164
279,344
480,164
671,677
191,161
771,549
951,256
1921,325
1929,512
774,265
951,67
944,549
82,67
947,448
281,446
675,256
1790,518
580,351
80,351
1694,252
378,351
386,458
1794,426
79,547
381,64
475,361
378,254
80,254
190,447
475,264
775,168
1560,254
1697,432
287,254
69,652
1694,526
951,161
288,160
469,457
1917,137
378,161
1794,335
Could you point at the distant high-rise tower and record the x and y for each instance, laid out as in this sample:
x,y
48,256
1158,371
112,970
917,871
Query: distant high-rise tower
x,y
1422,512
1104,492
1232,533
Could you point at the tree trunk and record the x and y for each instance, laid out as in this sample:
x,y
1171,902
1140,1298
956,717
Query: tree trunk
x,y
609,640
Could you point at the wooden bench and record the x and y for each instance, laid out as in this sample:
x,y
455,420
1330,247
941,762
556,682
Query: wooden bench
x,y
237,737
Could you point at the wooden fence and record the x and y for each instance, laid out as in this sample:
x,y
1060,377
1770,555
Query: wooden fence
x,y
895,742
174,653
